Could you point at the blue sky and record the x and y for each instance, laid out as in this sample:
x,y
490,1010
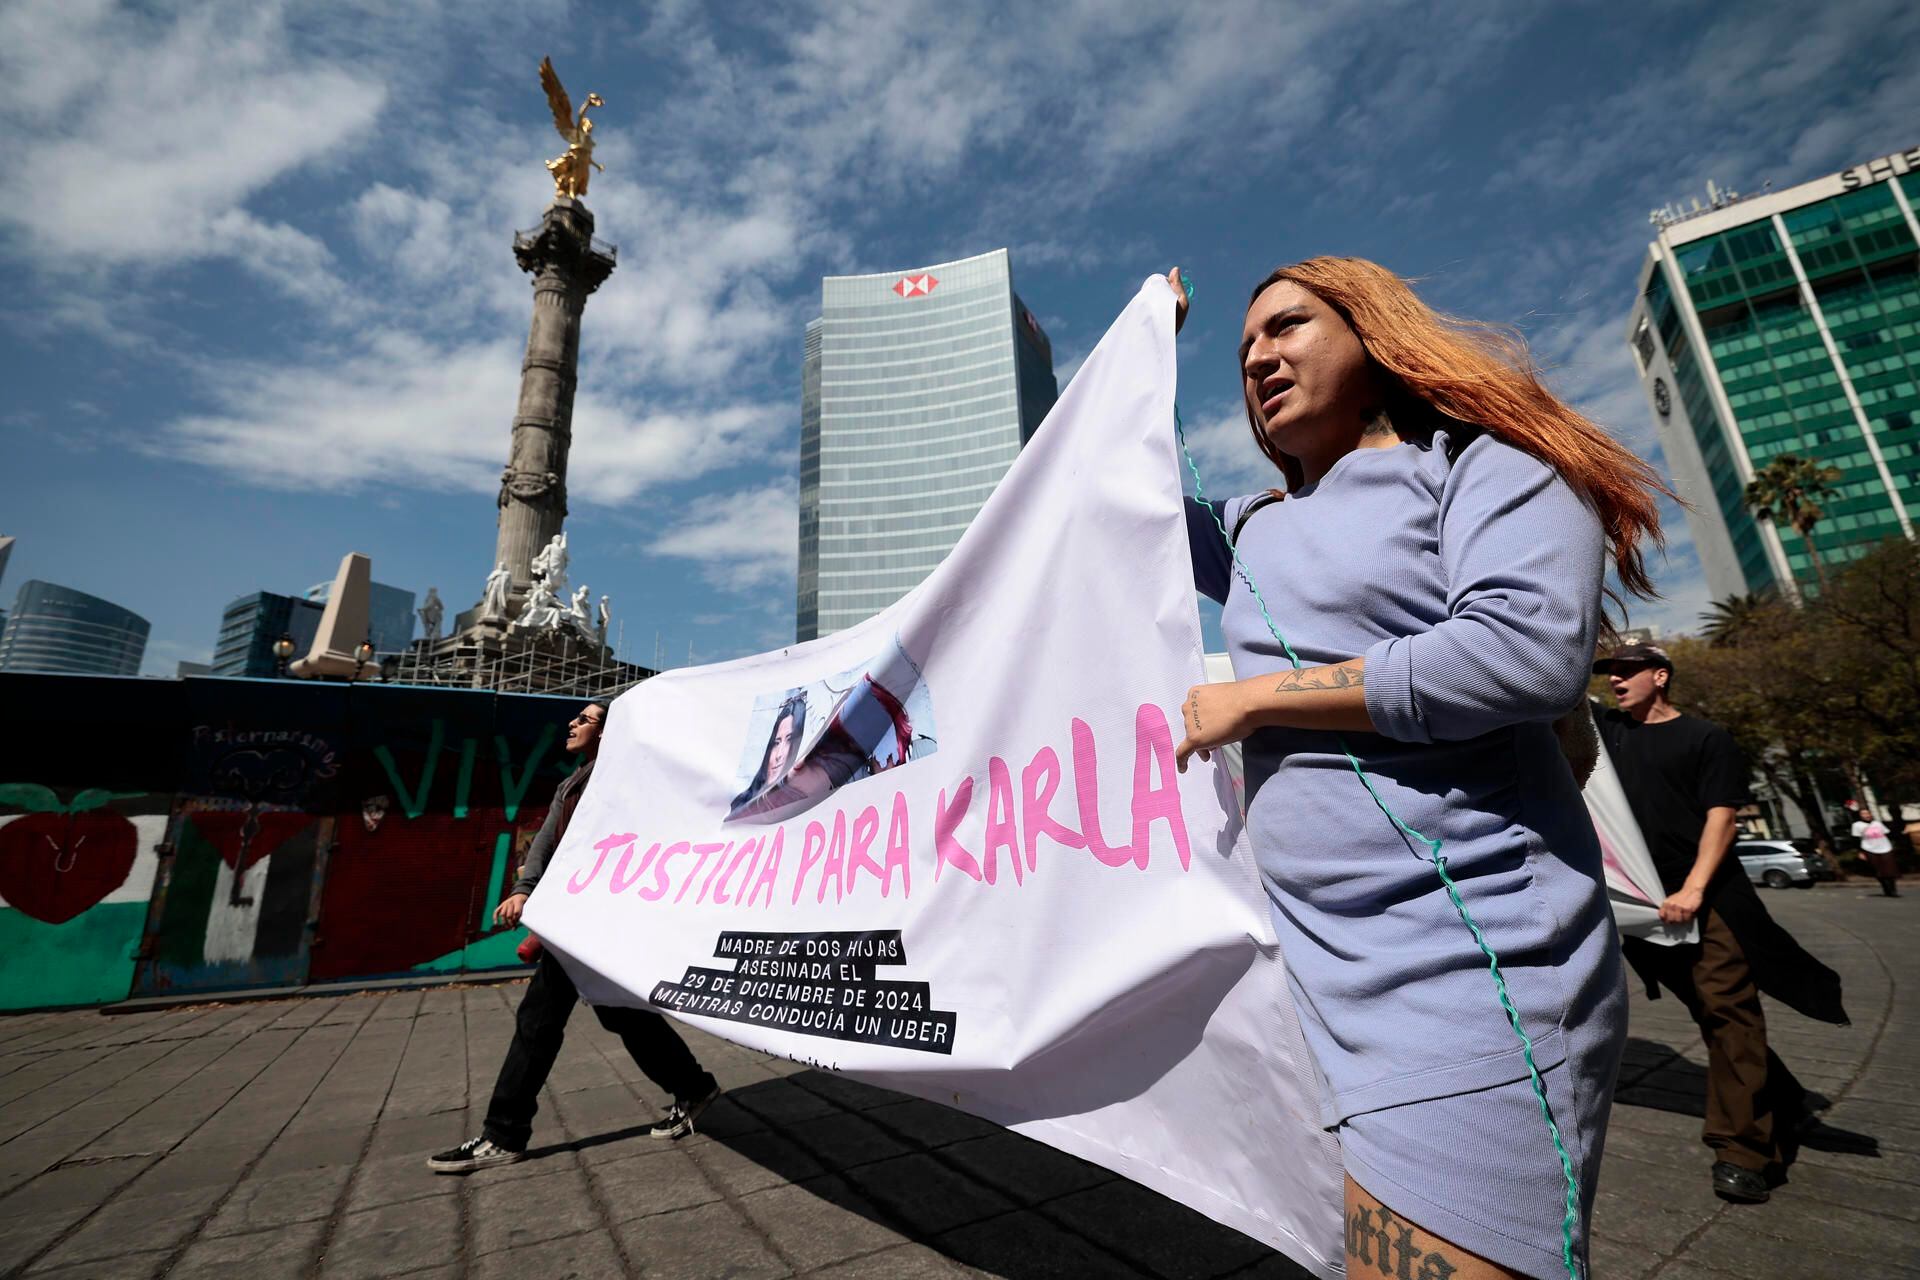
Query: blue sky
x,y
262,308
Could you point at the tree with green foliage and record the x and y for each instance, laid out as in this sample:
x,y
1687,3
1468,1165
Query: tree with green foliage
x,y
1727,621
1790,489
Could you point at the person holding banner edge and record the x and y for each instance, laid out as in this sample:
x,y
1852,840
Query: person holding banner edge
x,y
540,1024
1437,562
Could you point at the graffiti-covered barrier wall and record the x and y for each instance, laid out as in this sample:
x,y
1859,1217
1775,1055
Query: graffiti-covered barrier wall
x,y
161,837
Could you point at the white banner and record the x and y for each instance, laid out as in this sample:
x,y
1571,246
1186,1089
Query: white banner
x,y
947,851
1633,884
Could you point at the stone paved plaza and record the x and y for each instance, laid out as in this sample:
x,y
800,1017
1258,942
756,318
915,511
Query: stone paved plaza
x,y
287,1138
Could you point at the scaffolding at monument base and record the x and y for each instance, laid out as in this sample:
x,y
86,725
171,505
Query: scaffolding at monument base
x,y
562,666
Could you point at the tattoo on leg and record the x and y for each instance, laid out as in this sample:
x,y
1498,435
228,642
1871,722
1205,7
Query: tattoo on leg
x,y
1392,1256
1319,679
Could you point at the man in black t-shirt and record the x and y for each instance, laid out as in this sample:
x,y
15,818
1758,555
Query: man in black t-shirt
x,y
1684,778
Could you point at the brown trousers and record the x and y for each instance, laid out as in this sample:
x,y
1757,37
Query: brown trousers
x,y
1751,1096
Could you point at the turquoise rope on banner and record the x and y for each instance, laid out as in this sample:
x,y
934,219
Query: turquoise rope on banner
x,y
1438,859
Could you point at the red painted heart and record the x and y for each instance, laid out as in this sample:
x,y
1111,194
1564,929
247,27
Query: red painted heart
x,y
227,831
53,866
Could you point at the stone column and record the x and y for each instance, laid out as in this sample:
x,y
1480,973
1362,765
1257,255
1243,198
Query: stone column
x,y
567,264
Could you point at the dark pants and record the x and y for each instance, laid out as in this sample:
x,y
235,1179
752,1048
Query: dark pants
x,y
540,1027
1753,1101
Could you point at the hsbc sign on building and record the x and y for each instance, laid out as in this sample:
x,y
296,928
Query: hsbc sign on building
x,y
918,389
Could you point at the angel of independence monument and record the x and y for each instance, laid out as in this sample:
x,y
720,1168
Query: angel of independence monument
x,y
531,629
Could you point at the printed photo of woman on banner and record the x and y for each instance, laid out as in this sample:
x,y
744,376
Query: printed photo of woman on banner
x,y
804,744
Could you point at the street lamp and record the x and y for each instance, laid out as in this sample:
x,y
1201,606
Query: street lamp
x,y
362,655
282,650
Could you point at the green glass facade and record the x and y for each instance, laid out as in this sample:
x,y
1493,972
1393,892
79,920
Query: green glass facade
x,y
1779,374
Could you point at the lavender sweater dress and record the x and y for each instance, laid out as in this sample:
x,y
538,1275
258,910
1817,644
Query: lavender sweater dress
x,y
1468,575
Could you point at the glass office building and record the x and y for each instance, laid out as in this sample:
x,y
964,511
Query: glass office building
x,y
1788,323
390,614
55,628
251,625
918,388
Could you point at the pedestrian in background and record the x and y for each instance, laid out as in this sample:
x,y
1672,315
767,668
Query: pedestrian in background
x,y
540,1025
1685,780
1872,835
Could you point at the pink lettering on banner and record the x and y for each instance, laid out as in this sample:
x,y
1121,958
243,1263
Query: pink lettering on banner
x,y
1038,781
705,851
771,870
836,868
658,889
866,829
1000,828
621,880
897,849
1086,786
719,865
606,846
740,853
948,851
812,846
1153,747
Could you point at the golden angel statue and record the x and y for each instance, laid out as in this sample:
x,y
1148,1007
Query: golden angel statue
x,y
570,171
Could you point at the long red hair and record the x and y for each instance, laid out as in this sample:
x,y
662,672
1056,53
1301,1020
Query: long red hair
x,y
1435,368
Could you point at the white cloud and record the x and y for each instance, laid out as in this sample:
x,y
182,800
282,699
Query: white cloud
x,y
1230,462
742,540
144,140
403,412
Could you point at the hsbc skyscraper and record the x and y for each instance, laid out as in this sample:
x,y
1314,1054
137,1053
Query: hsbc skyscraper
x,y
918,389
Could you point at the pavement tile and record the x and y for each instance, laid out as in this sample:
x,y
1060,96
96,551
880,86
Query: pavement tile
x,y
131,1266
526,1211
1028,1246
72,1186
397,1180
1733,1244
261,1203
314,1149
1146,1227
1030,1171
189,1166
783,1102
926,1196
929,1123
755,1161
845,1140
1628,1221
23,1238
1617,1260
282,1251
848,1093
905,1262
579,1257
819,1222
393,1239
421,1135
699,1244
1818,1184
136,1225
651,1184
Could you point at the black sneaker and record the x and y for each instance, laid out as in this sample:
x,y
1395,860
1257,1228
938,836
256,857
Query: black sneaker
x,y
474,1153
1742,1186
678,1122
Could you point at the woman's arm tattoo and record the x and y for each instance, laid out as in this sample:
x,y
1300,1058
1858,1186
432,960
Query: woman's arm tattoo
x,y
1319,679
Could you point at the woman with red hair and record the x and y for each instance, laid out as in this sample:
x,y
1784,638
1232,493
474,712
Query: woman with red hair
x,y
1437,562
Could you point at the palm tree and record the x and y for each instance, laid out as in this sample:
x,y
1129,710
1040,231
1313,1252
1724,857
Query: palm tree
x,y
1727,620
1789,489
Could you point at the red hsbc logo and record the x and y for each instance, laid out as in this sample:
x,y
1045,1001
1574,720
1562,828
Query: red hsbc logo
x,y
907,286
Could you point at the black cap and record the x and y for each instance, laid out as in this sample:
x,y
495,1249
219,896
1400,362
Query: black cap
x,y
1634,655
